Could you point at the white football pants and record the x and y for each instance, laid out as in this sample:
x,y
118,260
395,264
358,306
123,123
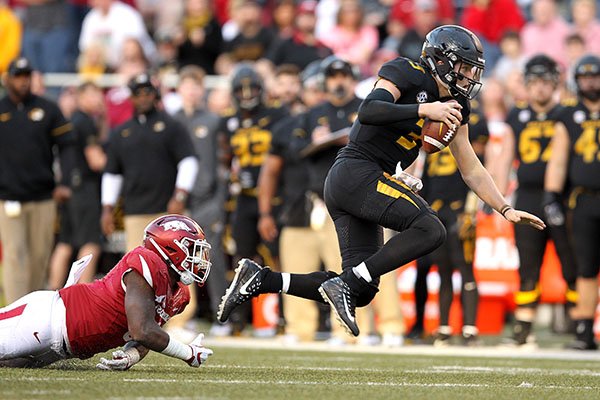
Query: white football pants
x,y
34,328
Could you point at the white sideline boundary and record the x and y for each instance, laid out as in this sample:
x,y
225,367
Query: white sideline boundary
x,y
278,343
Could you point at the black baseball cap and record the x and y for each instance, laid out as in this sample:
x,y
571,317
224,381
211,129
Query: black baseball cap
x,y
20,66
141,81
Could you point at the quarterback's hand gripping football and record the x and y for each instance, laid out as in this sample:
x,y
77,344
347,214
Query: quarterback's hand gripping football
x,y
199,353
447,112
121,360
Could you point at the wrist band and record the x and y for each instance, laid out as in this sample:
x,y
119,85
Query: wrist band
x,y
505,208
177,349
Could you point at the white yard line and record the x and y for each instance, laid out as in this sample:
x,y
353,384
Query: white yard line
x,y
478,352
523,385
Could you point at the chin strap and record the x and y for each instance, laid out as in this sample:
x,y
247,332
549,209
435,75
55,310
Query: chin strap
x,y
185,277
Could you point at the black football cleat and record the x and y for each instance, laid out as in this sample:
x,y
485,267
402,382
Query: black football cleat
x,y
244,286
337,294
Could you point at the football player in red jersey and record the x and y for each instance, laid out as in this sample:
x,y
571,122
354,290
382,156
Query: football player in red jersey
x,y
125,308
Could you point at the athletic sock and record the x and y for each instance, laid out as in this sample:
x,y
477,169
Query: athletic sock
x,y
361,271
307,285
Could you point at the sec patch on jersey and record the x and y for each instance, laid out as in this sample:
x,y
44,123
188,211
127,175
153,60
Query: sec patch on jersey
x,y
435,136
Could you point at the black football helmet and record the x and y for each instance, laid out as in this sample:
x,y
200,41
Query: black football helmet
x,y
246,88
451,50
588,65
542,66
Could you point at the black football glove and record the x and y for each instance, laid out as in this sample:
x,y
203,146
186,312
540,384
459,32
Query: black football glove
x,y
553,209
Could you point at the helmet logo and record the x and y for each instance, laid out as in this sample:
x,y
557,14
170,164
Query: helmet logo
x,y
524,116
175,226
422,97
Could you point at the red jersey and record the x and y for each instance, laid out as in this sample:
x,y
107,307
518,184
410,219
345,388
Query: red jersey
x,y
95,312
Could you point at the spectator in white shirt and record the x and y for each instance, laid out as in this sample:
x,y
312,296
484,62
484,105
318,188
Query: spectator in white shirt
x,y
111,22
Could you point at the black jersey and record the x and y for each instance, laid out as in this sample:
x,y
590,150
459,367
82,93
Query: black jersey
x,y
336,119
399,142
28,133
250,139
146,150
584,133
533,133
442,178
288,140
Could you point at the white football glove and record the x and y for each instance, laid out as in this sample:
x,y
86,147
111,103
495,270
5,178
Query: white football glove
x,y
122,359
414,183
199,353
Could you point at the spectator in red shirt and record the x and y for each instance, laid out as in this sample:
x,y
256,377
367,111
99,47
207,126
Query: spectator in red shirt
x,y
490,20
401,14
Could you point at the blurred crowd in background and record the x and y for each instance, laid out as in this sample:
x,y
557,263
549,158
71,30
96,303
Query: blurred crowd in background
x,y
191,50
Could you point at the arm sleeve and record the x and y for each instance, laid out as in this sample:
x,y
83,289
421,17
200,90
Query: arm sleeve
x,y
111,187
187,169
378,108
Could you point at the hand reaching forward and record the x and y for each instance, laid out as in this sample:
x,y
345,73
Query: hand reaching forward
x,y
525,218
121,360
199,353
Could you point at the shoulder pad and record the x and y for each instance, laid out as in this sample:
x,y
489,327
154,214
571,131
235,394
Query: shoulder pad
x,y
403,72
276,103
521,104
229,112
571,102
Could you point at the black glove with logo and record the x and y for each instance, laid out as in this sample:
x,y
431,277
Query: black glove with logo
x,y
553,209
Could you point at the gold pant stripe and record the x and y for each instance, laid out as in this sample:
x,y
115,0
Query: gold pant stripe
x,y
529,297
386,189
396,181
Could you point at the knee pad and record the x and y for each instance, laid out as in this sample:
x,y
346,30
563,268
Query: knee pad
x,y
469,286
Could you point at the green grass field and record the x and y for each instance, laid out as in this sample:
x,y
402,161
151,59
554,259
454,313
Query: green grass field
x,y
268,370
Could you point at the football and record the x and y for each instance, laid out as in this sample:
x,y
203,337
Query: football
x,y
435,136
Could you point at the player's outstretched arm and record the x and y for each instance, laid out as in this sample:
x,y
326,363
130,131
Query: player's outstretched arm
x,y
480,181
139,307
